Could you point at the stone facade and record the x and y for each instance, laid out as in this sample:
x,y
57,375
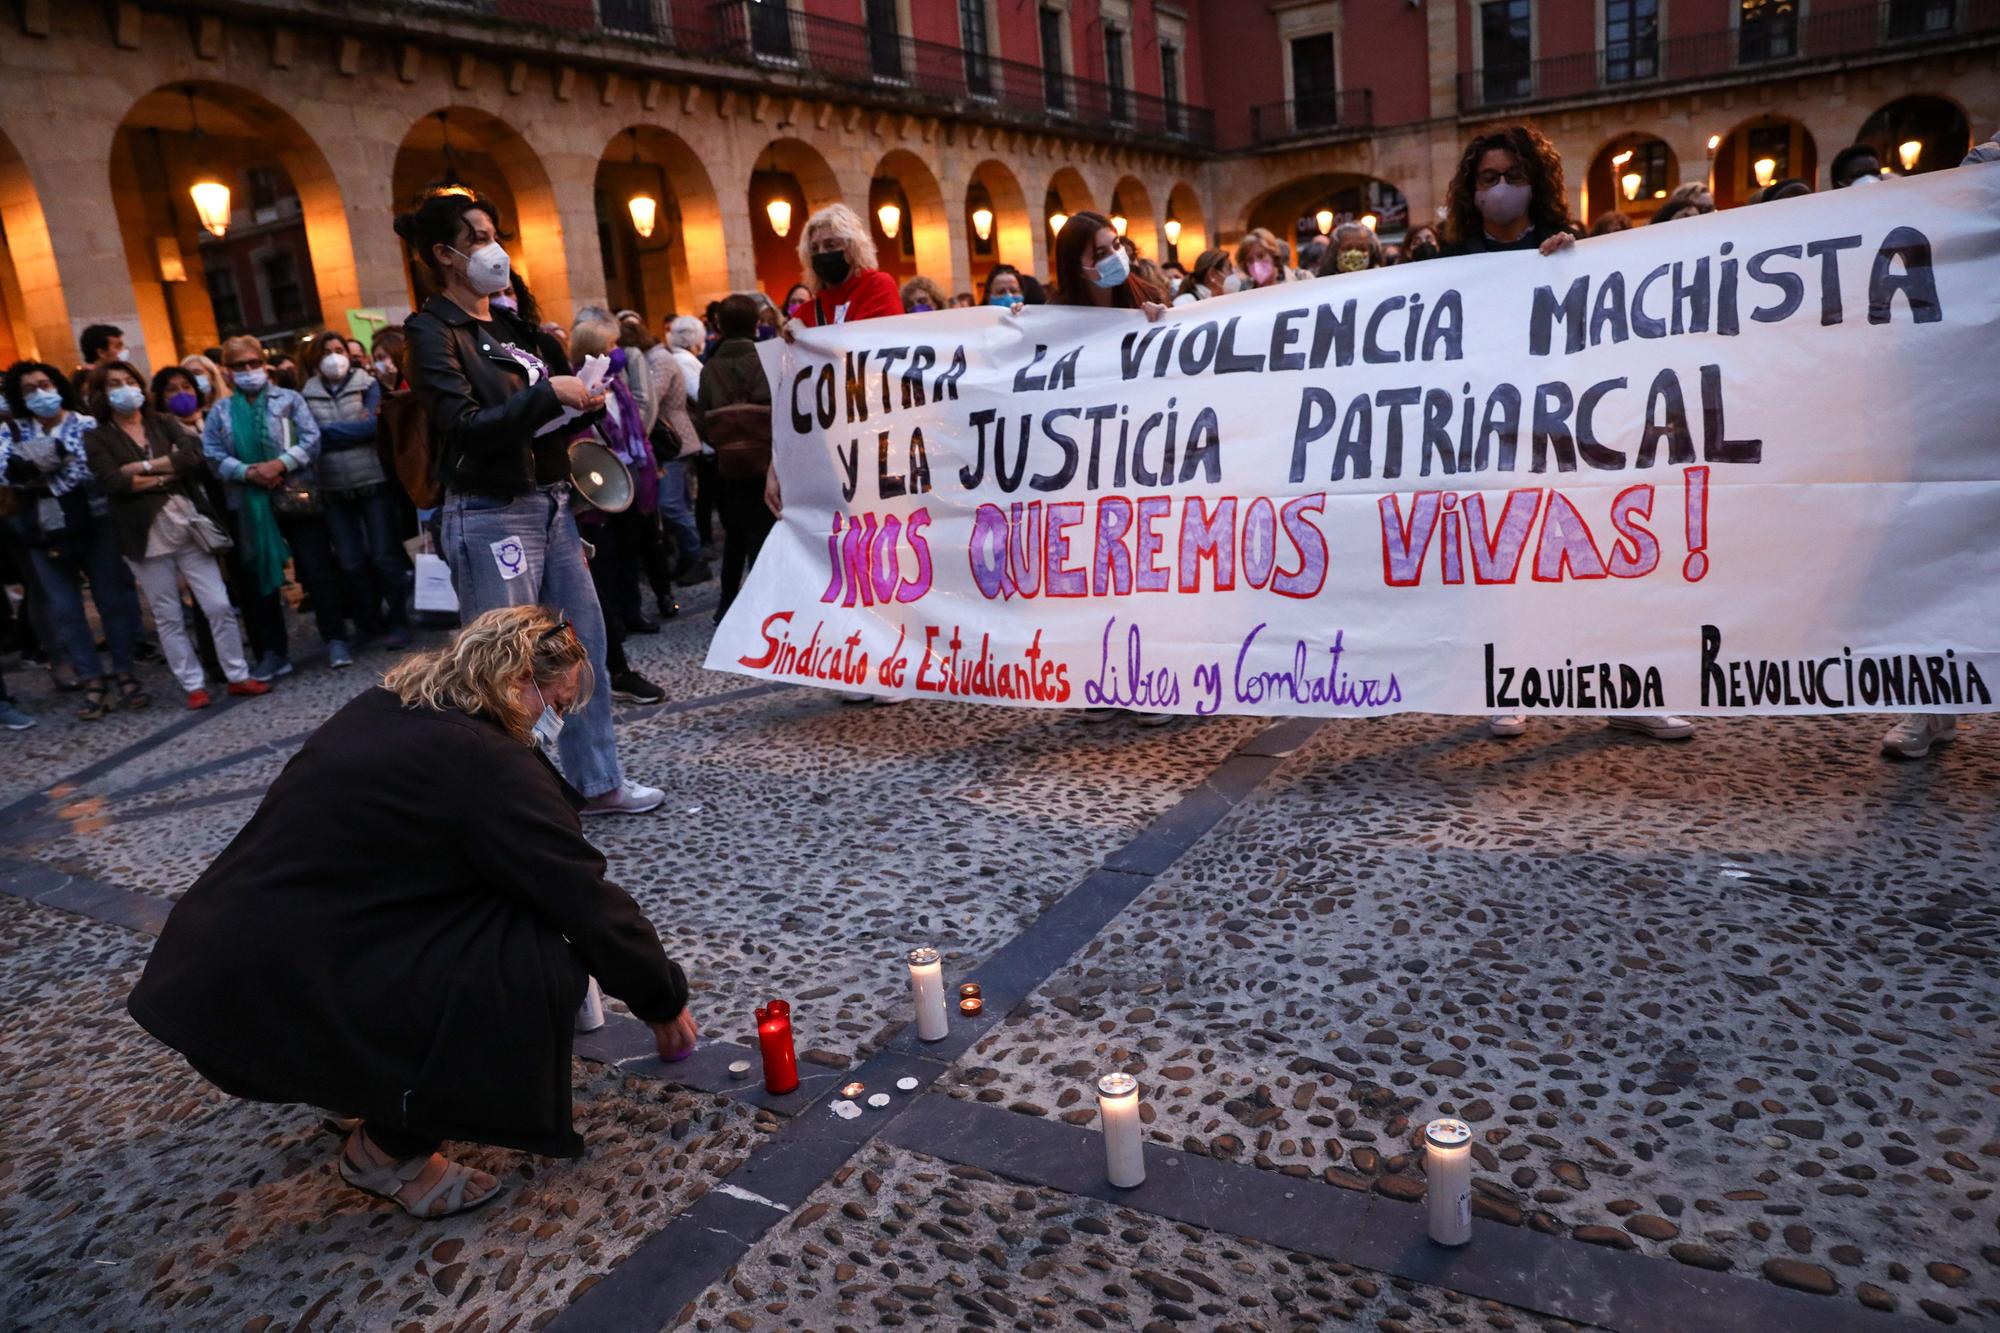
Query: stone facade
x,y
95,156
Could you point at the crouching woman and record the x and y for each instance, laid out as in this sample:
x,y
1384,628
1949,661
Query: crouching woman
x,y
417,961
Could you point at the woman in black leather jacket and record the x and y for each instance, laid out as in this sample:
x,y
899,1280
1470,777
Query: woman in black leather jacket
x,y
502,405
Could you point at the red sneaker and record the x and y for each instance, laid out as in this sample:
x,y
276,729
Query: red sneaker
x,y
197,700
248,686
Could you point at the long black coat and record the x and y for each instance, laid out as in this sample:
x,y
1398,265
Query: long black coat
x,y
402,932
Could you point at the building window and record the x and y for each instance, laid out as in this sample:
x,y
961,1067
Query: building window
x,y
223,298
1774,142
1766,30
1170,84
972,39
1055,91
1506,49
1114,72
630,16
1920,18
280,271
885,41
1314,104
771,29
1631,39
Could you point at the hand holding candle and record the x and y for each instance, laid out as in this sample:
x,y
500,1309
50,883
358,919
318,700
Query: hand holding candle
x,y
1124,1151
675,1040
927,990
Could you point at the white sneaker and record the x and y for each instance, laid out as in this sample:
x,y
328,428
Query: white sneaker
x,y
1153,719
590,1014
1092,717
1660,726
1917,733
627,798
1507,724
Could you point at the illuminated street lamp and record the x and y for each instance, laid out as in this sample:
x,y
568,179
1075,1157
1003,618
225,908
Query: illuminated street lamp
x,y
982,223
1909,151
1764,168
891,218
780,213
1173,230
645,209
1323,219
1368,220
1119,223
211,196
1056,221
1631,180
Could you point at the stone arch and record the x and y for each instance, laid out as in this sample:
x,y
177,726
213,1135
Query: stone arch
x,y
1785,140
1184,207
1644,162
792,171
286,260
1067,192
1938,125
1347,196
463,146
658,275
922,244
34,316
1142,226
1012,241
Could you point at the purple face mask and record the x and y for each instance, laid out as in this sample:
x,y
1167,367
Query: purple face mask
x,y
617,360
183,403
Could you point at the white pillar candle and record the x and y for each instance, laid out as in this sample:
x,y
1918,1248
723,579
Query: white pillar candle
x,y
927,989
1448,1174
1118,1109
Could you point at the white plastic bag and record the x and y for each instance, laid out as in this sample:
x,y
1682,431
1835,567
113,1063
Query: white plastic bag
x,y
434,587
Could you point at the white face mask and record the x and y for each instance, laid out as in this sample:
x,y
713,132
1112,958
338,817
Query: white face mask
x,y
333,367
548,727
1112,270
486,268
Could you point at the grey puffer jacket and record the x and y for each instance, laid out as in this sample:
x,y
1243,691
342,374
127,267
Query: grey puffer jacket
x,y
349,465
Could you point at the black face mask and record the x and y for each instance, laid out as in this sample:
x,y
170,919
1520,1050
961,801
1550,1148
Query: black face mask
x,y
1423,250
831,267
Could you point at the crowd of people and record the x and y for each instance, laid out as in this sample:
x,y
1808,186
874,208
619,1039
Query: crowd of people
x,y
200,495
295,972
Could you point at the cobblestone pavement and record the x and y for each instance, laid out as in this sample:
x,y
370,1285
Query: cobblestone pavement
x,y
1730,1006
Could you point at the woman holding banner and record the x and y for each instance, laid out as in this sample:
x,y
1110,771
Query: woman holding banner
x,y
1508,195
1091,270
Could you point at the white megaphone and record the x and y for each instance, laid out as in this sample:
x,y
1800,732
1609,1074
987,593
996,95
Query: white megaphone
x,y
601,480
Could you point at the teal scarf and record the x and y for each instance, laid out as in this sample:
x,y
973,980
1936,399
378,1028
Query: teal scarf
x,y
264,549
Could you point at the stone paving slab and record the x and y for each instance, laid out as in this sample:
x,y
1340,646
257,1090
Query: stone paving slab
x,y
146,1198
1753,1026
900,1240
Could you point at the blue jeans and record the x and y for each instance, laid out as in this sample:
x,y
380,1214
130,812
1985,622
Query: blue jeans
x,y
553,574
371,558
62,571
675,511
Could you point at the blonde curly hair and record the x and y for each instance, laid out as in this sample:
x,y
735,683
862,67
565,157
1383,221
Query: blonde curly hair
x,y
842,221
476,672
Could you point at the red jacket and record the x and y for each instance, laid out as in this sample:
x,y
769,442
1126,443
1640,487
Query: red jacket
x,y
867,293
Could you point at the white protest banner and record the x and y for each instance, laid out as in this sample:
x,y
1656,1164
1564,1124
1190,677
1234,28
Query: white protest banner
x,y
1744,463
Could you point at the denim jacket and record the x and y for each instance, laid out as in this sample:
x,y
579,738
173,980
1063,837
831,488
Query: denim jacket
x,y
286,417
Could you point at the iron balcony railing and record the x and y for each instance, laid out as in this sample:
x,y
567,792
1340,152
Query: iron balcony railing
x,y
1314,116
778,37
1782,39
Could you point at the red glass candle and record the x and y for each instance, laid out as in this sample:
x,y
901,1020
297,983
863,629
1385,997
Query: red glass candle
x,y
774,1037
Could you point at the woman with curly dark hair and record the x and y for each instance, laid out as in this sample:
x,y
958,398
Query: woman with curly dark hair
x,y
1508,194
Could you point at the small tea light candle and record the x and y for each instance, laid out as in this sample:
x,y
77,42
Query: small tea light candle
x,y
852,1089
739,1069
971,1005
879,1100
969,991
1448,1171
906,1085
1118,1109
927,990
